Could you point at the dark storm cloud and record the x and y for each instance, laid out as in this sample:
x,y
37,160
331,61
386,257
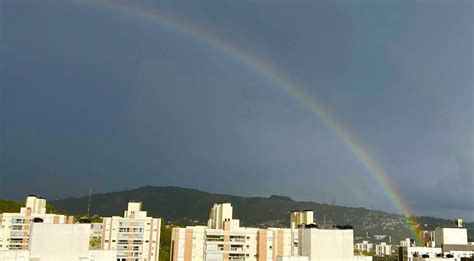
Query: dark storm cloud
x,y
93,98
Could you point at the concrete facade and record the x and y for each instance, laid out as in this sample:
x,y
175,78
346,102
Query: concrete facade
x,y
408,253
383,249
219,214
326,244
450,236
224,239
292,258
135,236
364,246
14,255
202,243
58,242
299,218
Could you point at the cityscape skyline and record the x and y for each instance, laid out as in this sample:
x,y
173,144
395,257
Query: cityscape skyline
x,y
34,231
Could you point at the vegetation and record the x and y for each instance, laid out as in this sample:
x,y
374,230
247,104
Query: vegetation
x,y
367,253
10,206
94,243
51,210
357,252
165,241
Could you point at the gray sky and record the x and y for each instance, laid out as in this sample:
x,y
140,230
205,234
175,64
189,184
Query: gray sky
x,y
94,97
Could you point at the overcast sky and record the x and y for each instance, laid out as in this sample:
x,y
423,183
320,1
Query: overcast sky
x,y
93,97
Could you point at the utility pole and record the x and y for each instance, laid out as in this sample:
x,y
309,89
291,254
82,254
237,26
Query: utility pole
x,y
89,204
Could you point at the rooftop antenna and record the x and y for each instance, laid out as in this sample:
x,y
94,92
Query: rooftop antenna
x,y
89,204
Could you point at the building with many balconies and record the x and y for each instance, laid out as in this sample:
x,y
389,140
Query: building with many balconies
x,y
224,239
135,236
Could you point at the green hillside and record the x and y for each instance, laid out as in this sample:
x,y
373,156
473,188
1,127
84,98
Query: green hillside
x,y
9,206
188,206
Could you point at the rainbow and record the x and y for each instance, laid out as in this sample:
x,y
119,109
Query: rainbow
x,y
374,169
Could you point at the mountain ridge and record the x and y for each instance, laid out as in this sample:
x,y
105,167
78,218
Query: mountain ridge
x,y
187,206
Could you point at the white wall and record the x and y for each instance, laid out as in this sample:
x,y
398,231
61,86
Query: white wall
x,y
291,258
59,242
452,236
409,251
326,244
14,255
102,255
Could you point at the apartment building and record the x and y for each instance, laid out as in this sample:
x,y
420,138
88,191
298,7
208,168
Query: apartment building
x,y
299,218
58,242
135,236
224,239
448,243
383,249
365,246
15,227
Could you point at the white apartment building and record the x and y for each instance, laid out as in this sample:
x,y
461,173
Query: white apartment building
x,y
365,246
383,249
454,242
407,242
224,239
219,214
450,243
135,236
299,218
15,227
58,242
